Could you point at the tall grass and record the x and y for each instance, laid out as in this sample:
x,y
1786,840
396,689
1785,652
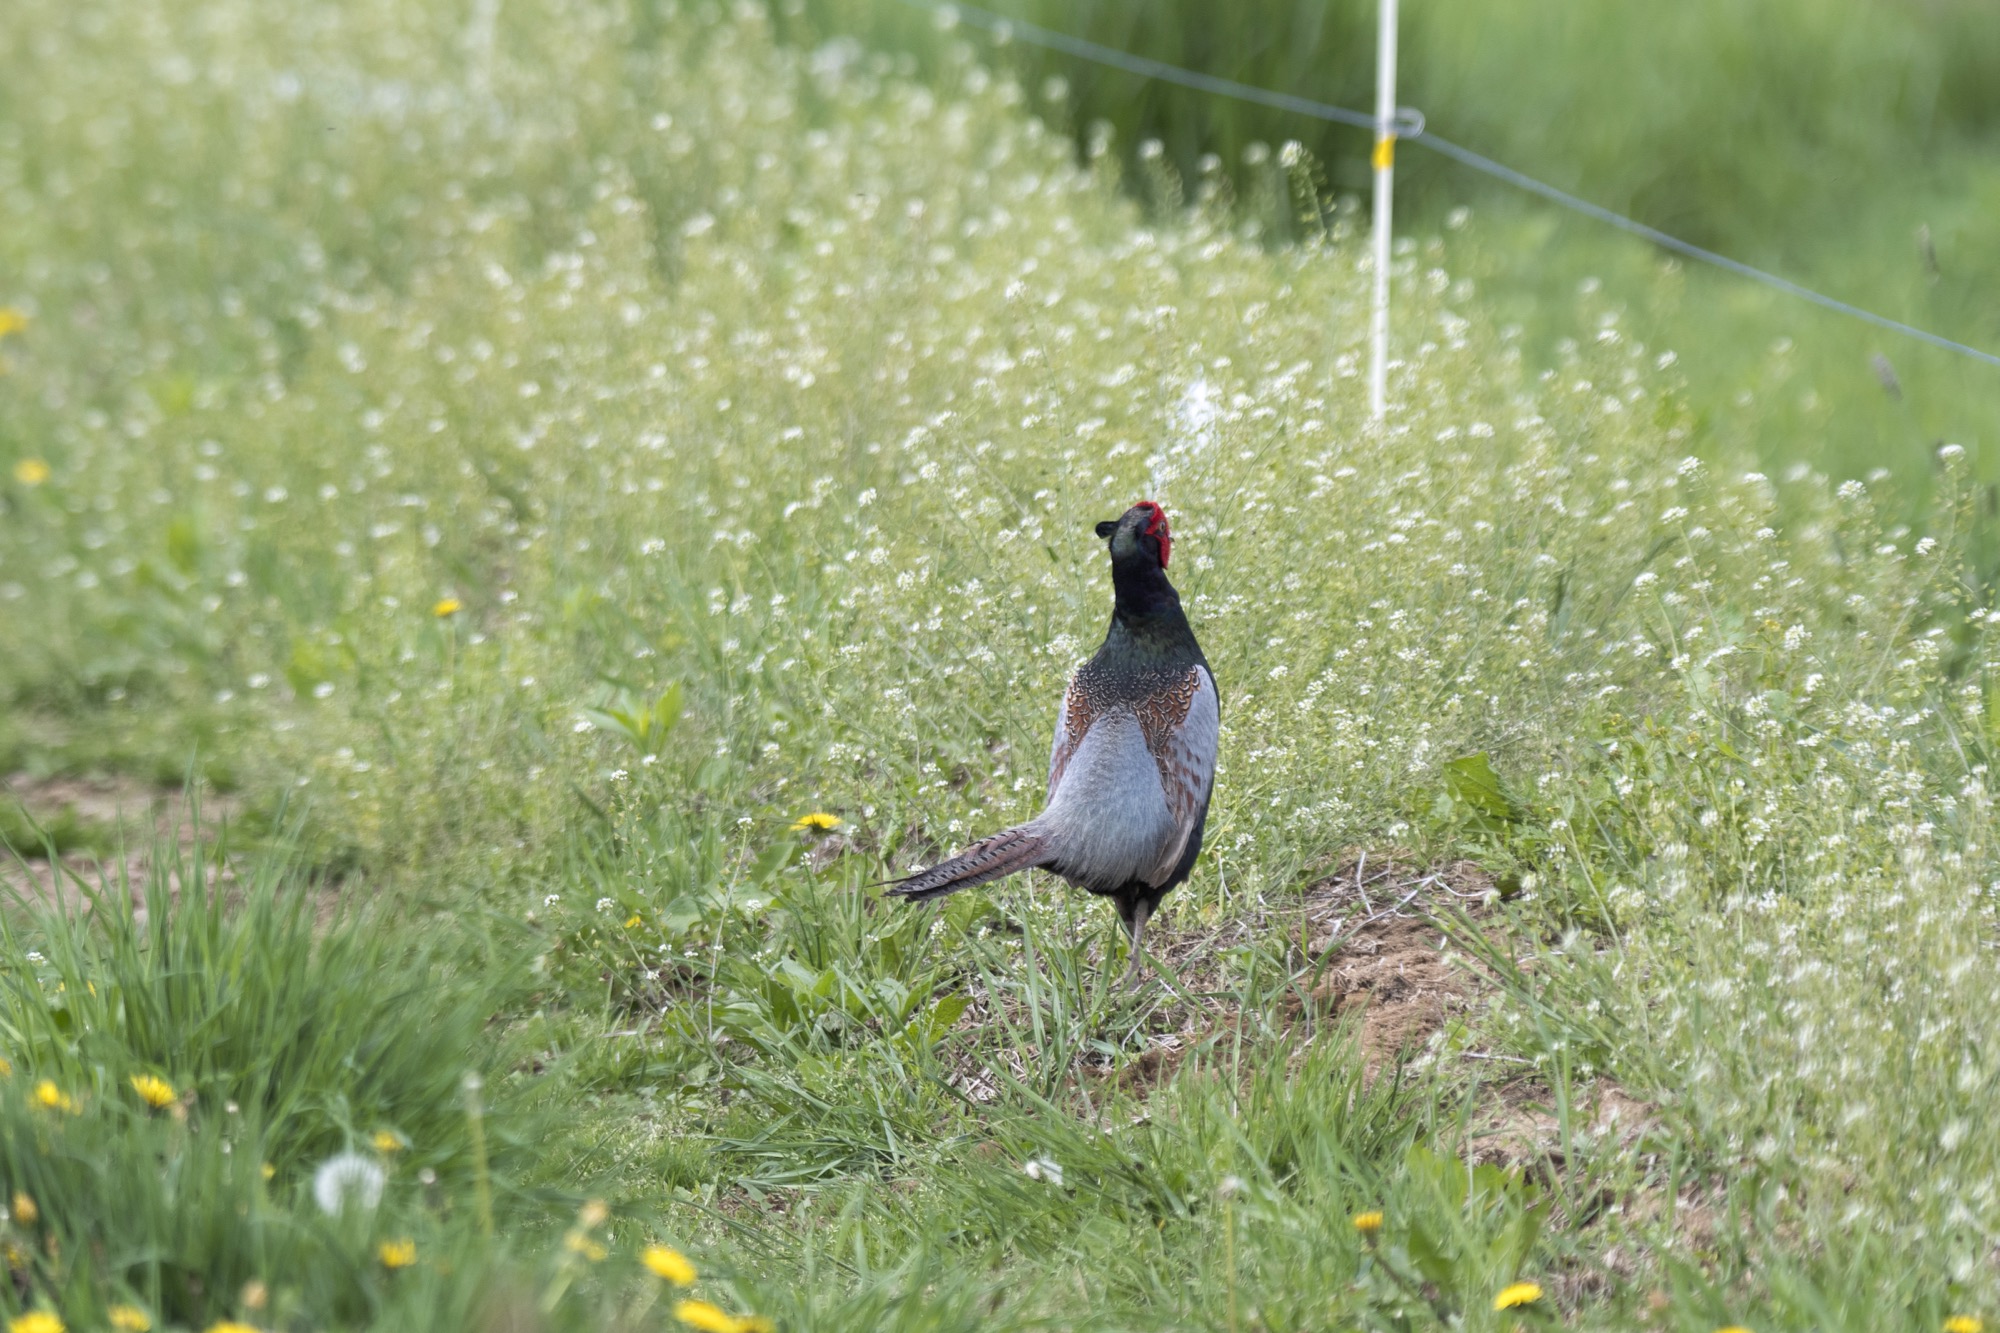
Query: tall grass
x,y
560,447
1848,146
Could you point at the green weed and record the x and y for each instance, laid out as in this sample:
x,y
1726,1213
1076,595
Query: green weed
x,y
558,450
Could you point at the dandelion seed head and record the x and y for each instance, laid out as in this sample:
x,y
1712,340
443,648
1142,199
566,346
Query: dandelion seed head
x,y
348,1177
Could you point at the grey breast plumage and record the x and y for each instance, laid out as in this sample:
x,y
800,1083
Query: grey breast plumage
x,y
1129,778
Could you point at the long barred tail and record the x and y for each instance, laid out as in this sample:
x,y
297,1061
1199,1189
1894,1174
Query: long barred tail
x,y
1020,848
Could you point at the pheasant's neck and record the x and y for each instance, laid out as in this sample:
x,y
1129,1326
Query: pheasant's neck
x,y
1147,625
1141,590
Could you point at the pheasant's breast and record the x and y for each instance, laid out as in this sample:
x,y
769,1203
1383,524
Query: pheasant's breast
x,y
1108,819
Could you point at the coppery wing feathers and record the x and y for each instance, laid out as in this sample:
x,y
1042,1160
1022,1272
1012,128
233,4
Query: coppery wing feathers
x,y
1073,719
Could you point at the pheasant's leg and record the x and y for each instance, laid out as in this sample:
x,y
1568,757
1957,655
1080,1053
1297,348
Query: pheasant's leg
x,y
1134,969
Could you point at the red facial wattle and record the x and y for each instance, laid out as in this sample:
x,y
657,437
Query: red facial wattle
x,y
1156,527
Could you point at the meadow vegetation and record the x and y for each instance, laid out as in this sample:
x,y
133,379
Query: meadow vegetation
x,y
1847,145
599,488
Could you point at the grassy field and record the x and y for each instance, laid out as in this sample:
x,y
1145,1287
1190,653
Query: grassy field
x,y
1846,144
588,491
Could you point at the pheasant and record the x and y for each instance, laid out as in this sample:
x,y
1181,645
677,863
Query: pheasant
x,y
1134,757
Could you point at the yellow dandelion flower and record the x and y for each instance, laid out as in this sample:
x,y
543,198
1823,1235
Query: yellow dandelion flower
x,y
153,1090
387,1141
447,606
633,922
1368,1223
578,1243
707,1317
231,1326
53,1097
1520,1293
818,819
11,320
35,1321
31,472
25,1211
129,1319
665,1262
1733,1328
396,1254
1965,1323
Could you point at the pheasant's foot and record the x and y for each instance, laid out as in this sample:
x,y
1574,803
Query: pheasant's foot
x,y
1136,969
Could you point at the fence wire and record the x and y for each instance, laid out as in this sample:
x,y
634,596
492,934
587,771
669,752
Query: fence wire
x,y
1409,125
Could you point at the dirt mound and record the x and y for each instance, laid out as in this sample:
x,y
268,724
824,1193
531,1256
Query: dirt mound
x,y
1376,948
1364,940
1394,972
1518,1126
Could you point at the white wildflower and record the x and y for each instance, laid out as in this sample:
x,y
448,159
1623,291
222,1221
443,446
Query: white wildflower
x,y
345,1176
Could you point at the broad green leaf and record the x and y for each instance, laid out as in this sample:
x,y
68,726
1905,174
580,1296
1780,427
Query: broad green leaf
x,y
945,1013
1472,781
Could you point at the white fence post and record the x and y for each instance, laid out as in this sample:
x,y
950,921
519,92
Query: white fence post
x,y
1385,179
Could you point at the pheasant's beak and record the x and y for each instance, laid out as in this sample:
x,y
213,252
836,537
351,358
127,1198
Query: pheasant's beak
x,y
1107,527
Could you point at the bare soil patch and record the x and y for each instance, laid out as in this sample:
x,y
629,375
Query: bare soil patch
x,y
1365,944
123,823
1383,952
1363,941
1518,1124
